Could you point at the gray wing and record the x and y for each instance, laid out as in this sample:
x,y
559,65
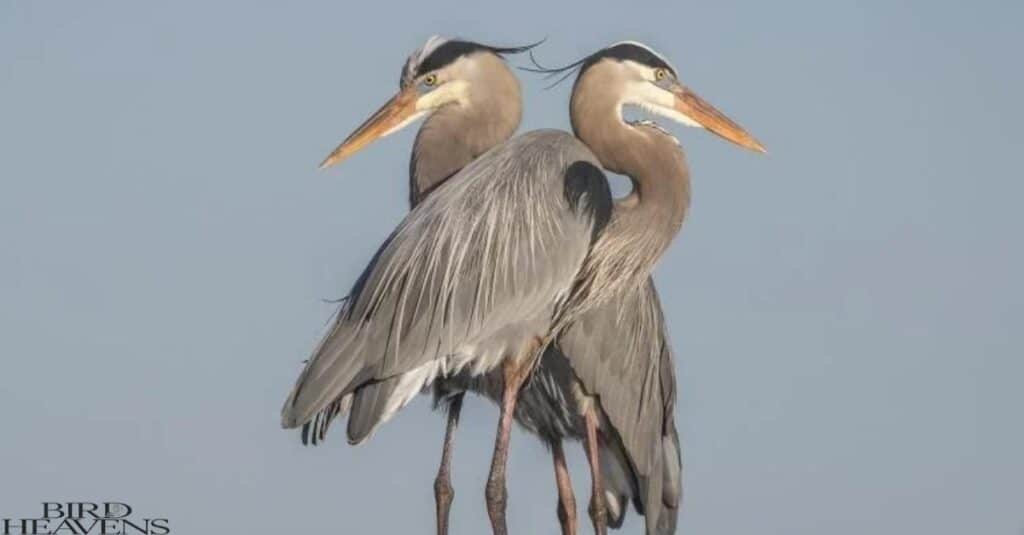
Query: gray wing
x,y
621,354
496,246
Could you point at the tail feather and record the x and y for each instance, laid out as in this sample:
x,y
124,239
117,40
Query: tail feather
x,y
616,506
369,409
652,486
656,496
672,477
619,483
376,402
333,371
314,431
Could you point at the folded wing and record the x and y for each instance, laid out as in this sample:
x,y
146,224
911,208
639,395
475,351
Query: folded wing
x,y
484,259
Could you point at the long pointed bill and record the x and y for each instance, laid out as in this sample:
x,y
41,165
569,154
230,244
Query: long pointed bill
x,y
393,115
689,104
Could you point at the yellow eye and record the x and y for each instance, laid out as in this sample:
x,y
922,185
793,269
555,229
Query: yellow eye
x,y
431,79
660,74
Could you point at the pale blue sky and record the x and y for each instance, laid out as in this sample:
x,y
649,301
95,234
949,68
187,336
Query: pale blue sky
x,y
847,312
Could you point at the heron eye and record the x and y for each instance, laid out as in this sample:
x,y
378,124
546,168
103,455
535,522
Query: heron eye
x,y
660,74
430,79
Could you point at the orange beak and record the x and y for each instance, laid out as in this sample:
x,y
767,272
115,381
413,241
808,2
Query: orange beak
x,y
392,116
689,104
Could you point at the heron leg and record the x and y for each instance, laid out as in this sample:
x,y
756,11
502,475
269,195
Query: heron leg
x,y
443,491
566,499
597,510
496,494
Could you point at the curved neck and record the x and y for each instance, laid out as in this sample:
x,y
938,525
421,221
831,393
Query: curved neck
x,y
457,134
650,216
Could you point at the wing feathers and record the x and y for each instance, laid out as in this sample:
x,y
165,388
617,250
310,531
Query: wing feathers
x,y
494,246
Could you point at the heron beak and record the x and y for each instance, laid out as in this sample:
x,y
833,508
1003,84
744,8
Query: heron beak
x,y
689,104
392,116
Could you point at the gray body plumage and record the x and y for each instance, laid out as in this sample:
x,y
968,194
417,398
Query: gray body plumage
x,y
425,308
481,266
473,274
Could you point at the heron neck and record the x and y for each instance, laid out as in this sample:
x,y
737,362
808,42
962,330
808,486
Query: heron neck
x,y
652,214
451,138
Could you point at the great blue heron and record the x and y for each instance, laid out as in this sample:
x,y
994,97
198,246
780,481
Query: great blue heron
x,y
628,329
515,248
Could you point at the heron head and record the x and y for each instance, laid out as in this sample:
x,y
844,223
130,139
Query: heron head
x,y
637,75
443,72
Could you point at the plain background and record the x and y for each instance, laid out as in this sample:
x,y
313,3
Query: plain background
x,y
847,311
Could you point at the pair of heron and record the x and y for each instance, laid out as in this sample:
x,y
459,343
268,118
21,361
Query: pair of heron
x,y
516,275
